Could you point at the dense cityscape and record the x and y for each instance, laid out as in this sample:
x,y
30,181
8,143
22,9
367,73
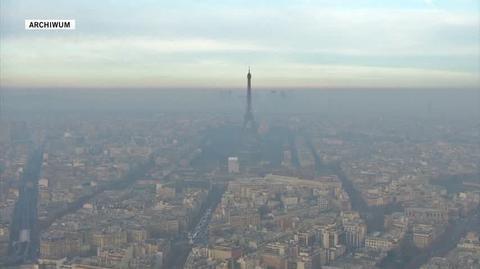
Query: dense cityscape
x,y
222,191
240,134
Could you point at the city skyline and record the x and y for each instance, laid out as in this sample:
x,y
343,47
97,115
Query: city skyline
x,y
301,44
228,134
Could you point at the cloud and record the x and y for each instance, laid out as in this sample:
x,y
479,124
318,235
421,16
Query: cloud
x,y
155,44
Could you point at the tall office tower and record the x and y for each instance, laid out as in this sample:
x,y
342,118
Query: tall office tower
x,y
249,122
355,232
233,165
330,236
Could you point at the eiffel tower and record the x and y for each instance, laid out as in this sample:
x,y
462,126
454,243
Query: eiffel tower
x,y
249,124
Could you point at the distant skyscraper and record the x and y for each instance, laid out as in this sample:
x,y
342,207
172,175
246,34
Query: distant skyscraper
x,y
355,232
233,165
287,158
249,122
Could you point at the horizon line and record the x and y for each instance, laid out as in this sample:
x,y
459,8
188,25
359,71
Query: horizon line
x,y
260,88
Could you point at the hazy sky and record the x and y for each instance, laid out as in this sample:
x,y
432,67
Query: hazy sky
x,y
208,43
